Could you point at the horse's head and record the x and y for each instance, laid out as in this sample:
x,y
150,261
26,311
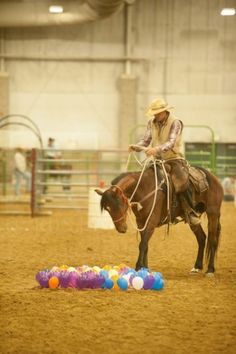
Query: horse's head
x,y
116,203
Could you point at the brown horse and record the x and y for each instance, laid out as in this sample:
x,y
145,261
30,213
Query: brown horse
x,y
149,204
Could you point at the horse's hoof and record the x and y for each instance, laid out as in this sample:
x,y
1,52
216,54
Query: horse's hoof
x,y
195,271
210,275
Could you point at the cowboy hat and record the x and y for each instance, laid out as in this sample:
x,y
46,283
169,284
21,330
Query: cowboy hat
x,y
157,106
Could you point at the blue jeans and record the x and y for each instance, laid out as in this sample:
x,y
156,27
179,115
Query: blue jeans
x,y
19,176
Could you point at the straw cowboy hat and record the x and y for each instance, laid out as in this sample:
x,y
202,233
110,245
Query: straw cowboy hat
x,y
157,106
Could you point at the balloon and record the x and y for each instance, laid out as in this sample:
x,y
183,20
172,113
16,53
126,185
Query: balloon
x,y
142,273
104,274
115,286
122,283
148,282
158,283
71,269
107,267
53,282
157,274
108,283
42,278
137,283
64,279
73,280
112,272
114,277
96,269
131,277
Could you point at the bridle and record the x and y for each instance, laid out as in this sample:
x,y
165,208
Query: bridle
x,y
126,204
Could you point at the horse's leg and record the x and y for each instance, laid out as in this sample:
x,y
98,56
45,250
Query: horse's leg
x,y
214,228
143,249
201,240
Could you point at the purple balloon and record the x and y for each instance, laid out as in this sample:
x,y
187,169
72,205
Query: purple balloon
x,y
82,281
148,282
131,278
64,279
98,282
42,278
73,280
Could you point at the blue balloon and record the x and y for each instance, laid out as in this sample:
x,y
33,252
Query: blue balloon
x,y
122,283
108,283
142,273
157,274
158,283
104,273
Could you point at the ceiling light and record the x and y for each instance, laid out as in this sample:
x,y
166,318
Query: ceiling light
x,y
56,9
228,12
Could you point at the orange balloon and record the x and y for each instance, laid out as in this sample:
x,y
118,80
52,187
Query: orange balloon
x,y
115,286
53,282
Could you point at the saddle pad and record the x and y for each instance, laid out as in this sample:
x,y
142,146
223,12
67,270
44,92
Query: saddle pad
x,y
198,179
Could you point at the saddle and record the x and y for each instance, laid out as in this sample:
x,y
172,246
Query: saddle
x,y
198,179
198,184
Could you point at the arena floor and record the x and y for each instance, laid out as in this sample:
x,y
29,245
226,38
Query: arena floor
x,y
192,314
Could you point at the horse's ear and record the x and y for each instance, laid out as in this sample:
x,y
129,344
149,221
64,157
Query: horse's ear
x,y
98,191
115,190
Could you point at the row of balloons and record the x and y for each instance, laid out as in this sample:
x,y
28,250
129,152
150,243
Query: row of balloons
x,y
119,277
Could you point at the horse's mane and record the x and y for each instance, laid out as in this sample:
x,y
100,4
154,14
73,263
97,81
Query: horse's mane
x,y
122,175
148,174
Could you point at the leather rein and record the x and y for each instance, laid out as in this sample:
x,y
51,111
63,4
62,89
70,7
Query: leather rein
x,y
130,204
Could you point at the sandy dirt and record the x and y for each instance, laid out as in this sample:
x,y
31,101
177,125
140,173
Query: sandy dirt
x,y
192,314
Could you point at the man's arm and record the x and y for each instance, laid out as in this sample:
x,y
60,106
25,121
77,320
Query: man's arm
x,y
145,141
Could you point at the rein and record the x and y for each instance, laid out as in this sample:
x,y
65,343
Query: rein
x,y
130,203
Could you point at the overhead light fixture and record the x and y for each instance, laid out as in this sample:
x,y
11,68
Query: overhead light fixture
x,y
56,9
228,12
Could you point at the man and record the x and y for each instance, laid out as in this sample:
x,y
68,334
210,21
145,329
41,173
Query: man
x,y
228,186
163,140
20,171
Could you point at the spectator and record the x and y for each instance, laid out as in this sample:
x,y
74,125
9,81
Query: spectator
x,y
228,186
52,152
20,171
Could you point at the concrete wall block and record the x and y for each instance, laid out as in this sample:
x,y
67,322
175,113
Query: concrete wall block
x,y
128,104
4,93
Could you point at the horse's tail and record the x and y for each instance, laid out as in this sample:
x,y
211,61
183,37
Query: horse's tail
x,y
213,240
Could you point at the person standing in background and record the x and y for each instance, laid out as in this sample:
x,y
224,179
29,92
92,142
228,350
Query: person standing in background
x,y
228,186
20,171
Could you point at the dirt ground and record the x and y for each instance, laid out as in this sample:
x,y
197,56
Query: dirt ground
x,y
192,314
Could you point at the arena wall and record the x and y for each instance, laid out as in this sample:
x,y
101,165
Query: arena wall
x,y
67,77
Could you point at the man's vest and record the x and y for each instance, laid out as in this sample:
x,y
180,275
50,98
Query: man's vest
x,y
160,135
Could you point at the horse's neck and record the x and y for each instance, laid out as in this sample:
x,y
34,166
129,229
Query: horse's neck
x,y
128,183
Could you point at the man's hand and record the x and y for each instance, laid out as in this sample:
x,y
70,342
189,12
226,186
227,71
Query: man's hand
x,y
132,148
152,151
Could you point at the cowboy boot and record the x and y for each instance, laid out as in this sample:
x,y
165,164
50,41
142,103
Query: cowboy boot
x,y
191,217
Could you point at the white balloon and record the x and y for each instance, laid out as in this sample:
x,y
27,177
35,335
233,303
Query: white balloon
x,y
137,283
